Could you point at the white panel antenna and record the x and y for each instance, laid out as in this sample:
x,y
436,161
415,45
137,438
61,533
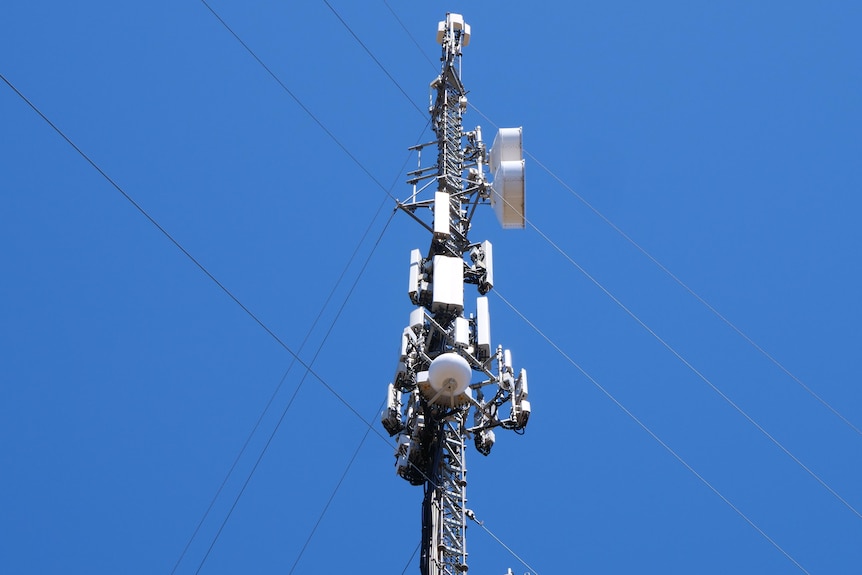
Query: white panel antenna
x,y
448,285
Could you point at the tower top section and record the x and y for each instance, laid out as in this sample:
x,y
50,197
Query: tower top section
x,y
453,31
461,176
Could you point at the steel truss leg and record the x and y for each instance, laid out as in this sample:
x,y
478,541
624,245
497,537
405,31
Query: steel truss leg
x,y
444,545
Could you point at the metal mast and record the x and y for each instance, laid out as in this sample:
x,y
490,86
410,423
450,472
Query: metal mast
x,y
442,350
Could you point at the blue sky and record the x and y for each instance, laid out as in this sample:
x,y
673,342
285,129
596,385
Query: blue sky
x,y
722,139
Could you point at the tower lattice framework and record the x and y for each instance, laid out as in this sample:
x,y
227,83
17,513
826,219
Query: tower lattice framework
x,y
447,368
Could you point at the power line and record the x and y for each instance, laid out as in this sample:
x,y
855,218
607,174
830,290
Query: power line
x,y
296,99
307,110
652,258
281,382
409,34
308,369
199,265
230,471
373,57
760,428
392,79
685,286
691,367
290,367
154,222
185,252
293,397
332,496
650,330
258,321
664,269
368,430
629,312
409,561
506,547
649,431
143,212
296,358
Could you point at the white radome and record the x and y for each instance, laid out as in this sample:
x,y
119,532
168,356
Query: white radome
x,y
449,377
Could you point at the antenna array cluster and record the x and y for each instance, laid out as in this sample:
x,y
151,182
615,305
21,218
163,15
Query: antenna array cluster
x,y
448,367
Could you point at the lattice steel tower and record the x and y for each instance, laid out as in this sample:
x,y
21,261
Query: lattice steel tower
x,y
443,350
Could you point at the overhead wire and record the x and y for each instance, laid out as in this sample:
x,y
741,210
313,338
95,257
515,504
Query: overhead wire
x,y
815,476
647,429
693,369
271,73
296,391
832,491
760,349
367,431
324,306
412,555
229,473
332,496
302,381
409,34
682,359
308,111
599,285
385,71
349,154
150,218
685,286
374,179
281,382
506,547
643,324
278,387
293,397
196,262
296,99
638,320
373,57
186,253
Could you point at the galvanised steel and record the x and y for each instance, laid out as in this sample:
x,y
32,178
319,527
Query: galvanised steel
x,y
430,422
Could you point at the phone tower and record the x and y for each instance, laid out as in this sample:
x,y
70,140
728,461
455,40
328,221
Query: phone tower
x,y
447,366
